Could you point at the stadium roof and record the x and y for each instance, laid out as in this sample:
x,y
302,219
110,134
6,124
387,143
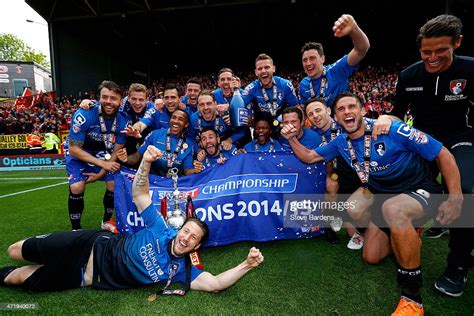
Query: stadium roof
x,y
130,40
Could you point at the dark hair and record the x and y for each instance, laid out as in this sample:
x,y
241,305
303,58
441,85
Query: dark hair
x,y
194,80
207,129
112,86
263,57
347,94
201,225
224,70
170,86
263,116
207,92
293,109
315,99
442,25
313,45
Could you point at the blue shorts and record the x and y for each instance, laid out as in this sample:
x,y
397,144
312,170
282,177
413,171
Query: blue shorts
x,y
76,168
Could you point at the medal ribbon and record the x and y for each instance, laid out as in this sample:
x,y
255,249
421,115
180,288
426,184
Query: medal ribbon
x,y
171,158
322,86
362,172
109,138
273,106
272,145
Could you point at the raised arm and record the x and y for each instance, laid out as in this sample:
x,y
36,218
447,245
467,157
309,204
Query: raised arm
x,y
450,209
141,184
346,25
210,283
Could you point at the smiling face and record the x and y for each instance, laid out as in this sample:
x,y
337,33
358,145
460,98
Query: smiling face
x,y
137,100
262,131
349,114
171,99
264,70
178,122
188,239
192,92
210,142
437,52
207,107
319,115
109,101
312,63
225,78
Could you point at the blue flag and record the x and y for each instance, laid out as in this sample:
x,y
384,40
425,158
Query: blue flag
x,y
245,199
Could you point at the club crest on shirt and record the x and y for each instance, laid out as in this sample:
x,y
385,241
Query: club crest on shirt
x,y
457,86
380,148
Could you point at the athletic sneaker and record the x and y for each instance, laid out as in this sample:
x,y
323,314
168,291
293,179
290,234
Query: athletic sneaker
x,y
356,242
110,226
435,232
408,307
452,282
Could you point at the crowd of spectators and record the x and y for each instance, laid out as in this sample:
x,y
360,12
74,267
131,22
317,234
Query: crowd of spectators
x,y
374,85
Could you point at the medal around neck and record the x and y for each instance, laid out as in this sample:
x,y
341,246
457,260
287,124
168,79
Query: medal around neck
x,y
107,156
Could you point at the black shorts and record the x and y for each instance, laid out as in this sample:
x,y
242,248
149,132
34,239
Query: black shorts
x,y
64,257
428,194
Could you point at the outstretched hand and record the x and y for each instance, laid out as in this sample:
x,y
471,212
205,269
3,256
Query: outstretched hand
x,y
344,25
132,132
254,258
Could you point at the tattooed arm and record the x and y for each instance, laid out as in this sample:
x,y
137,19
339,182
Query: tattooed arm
x,y
141,185
75,149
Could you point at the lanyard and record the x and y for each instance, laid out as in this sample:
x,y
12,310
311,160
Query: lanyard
x,y
172,272
273,106
322,87
333,134
216,122
109,138
272,145
171,158
362,172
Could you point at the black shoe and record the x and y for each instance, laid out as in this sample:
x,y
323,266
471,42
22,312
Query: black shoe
x,y
435,232
331,236
4,272
452,282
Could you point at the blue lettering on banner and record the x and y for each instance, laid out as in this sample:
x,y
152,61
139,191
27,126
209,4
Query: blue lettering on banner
x,y
240,200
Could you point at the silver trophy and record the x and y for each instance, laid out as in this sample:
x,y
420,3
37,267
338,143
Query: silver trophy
x,y
177,217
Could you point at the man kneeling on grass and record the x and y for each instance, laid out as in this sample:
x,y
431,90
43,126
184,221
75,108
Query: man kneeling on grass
x,y
107,261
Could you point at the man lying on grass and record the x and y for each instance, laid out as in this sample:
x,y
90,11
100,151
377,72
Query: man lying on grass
x,y
107,261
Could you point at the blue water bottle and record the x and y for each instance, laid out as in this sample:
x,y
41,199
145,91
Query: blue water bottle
x,y
239,115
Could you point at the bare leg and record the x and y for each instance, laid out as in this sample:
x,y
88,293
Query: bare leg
x,y
376,245
14,251
19,275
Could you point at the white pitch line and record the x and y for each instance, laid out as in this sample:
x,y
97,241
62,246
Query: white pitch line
x,y
26,191
38,178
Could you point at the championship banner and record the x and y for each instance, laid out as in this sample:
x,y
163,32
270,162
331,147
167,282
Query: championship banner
x,y
246,199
